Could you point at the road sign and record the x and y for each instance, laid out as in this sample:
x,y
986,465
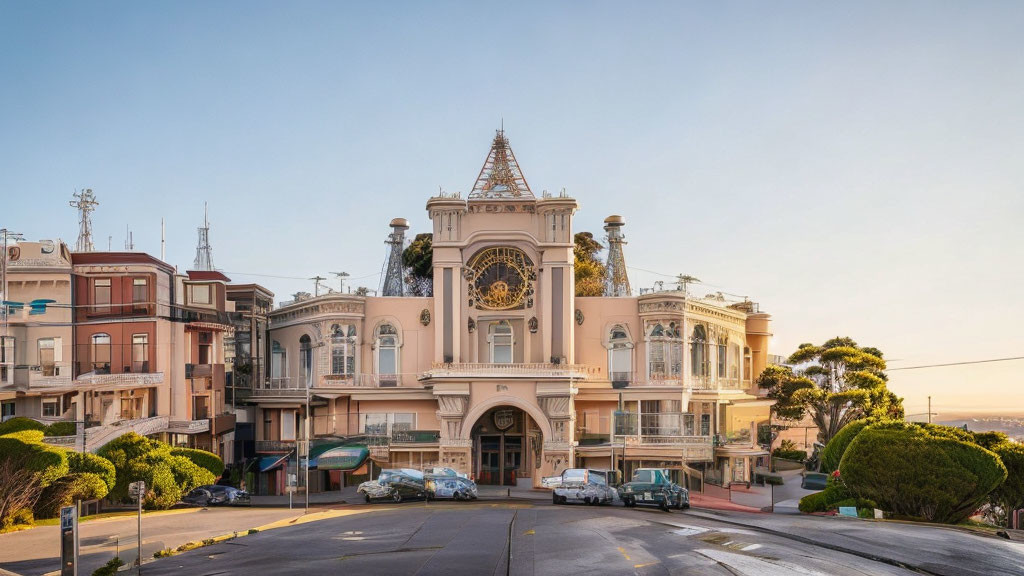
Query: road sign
x,y
69,541
137,488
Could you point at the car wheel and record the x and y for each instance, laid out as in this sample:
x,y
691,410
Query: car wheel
x,y
397,497
664,505
554,499
367,497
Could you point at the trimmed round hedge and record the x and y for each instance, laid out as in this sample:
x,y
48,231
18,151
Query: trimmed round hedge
x,y
922,472
167,477
201,458
833,452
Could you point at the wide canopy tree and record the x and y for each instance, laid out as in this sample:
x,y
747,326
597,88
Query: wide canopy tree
x,y
835,383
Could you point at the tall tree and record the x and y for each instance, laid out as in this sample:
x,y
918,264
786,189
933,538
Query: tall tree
x,y
418,258
589,270
840,382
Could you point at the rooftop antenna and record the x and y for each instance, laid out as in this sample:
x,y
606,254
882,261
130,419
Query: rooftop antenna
x,y
204,253
316,284
685,280
85,202
341,280
129,243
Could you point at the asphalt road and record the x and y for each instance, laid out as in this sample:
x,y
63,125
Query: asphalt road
x,y
37,551
540,539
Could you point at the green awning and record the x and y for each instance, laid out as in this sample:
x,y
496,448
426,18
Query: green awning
x,y
338,456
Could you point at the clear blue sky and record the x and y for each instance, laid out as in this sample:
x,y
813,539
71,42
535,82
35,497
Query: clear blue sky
x,y
854,168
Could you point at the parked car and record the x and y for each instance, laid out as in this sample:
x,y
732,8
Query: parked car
x,y
814,481
652,486
443,471
394,485
445,486
582,485
214,495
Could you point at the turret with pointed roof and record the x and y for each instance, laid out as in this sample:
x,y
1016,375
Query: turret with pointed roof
x,y
500,177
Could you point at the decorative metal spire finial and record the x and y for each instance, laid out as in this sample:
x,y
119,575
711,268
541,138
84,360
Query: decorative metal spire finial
x,y
394,273
500,177
616,281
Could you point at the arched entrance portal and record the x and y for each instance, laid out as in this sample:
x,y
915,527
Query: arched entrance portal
x,y
506,447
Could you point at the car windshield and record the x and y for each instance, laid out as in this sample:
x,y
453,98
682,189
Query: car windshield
x,y
598,479
644,476
574,475
384,477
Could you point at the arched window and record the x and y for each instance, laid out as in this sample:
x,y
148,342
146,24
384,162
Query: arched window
x,y
343,350
278,362
620,356
101,353
501,339
699,351
665,352
387,355
306,360
721,356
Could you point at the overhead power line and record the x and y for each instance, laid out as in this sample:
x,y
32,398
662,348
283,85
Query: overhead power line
x,y
957,363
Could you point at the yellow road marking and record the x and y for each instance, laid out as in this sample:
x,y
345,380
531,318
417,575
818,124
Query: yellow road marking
x,y
642,565
530,532
623,552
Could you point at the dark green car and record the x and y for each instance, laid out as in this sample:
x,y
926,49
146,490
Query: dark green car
x,y
651,486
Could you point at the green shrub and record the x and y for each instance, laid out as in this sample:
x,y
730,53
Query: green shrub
x,y
47,462
30,436
774,480
61,429
929,472
167,477
188,475
202,458
833,451
798,455
110,568
825,500
67,490
19,517
18,424
1009,495
81,462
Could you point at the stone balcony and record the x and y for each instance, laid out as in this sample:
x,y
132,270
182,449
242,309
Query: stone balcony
x,y
188,426
125,380
475,370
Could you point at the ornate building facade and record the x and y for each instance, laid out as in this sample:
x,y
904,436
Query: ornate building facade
x,y
504,373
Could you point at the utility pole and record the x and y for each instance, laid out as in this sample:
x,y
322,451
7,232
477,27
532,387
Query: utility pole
x,y
341,281
684,280
316,284
929,409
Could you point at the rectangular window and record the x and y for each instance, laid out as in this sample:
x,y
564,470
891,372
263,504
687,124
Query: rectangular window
x,y
721,360
47,360
201,294
375,424
287,425
403,422
101,296
51,408
621,364
200,408
205,348
140,294
140,353
705,424
6,359
6,410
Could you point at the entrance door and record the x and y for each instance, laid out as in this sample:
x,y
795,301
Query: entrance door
x,y
490,460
